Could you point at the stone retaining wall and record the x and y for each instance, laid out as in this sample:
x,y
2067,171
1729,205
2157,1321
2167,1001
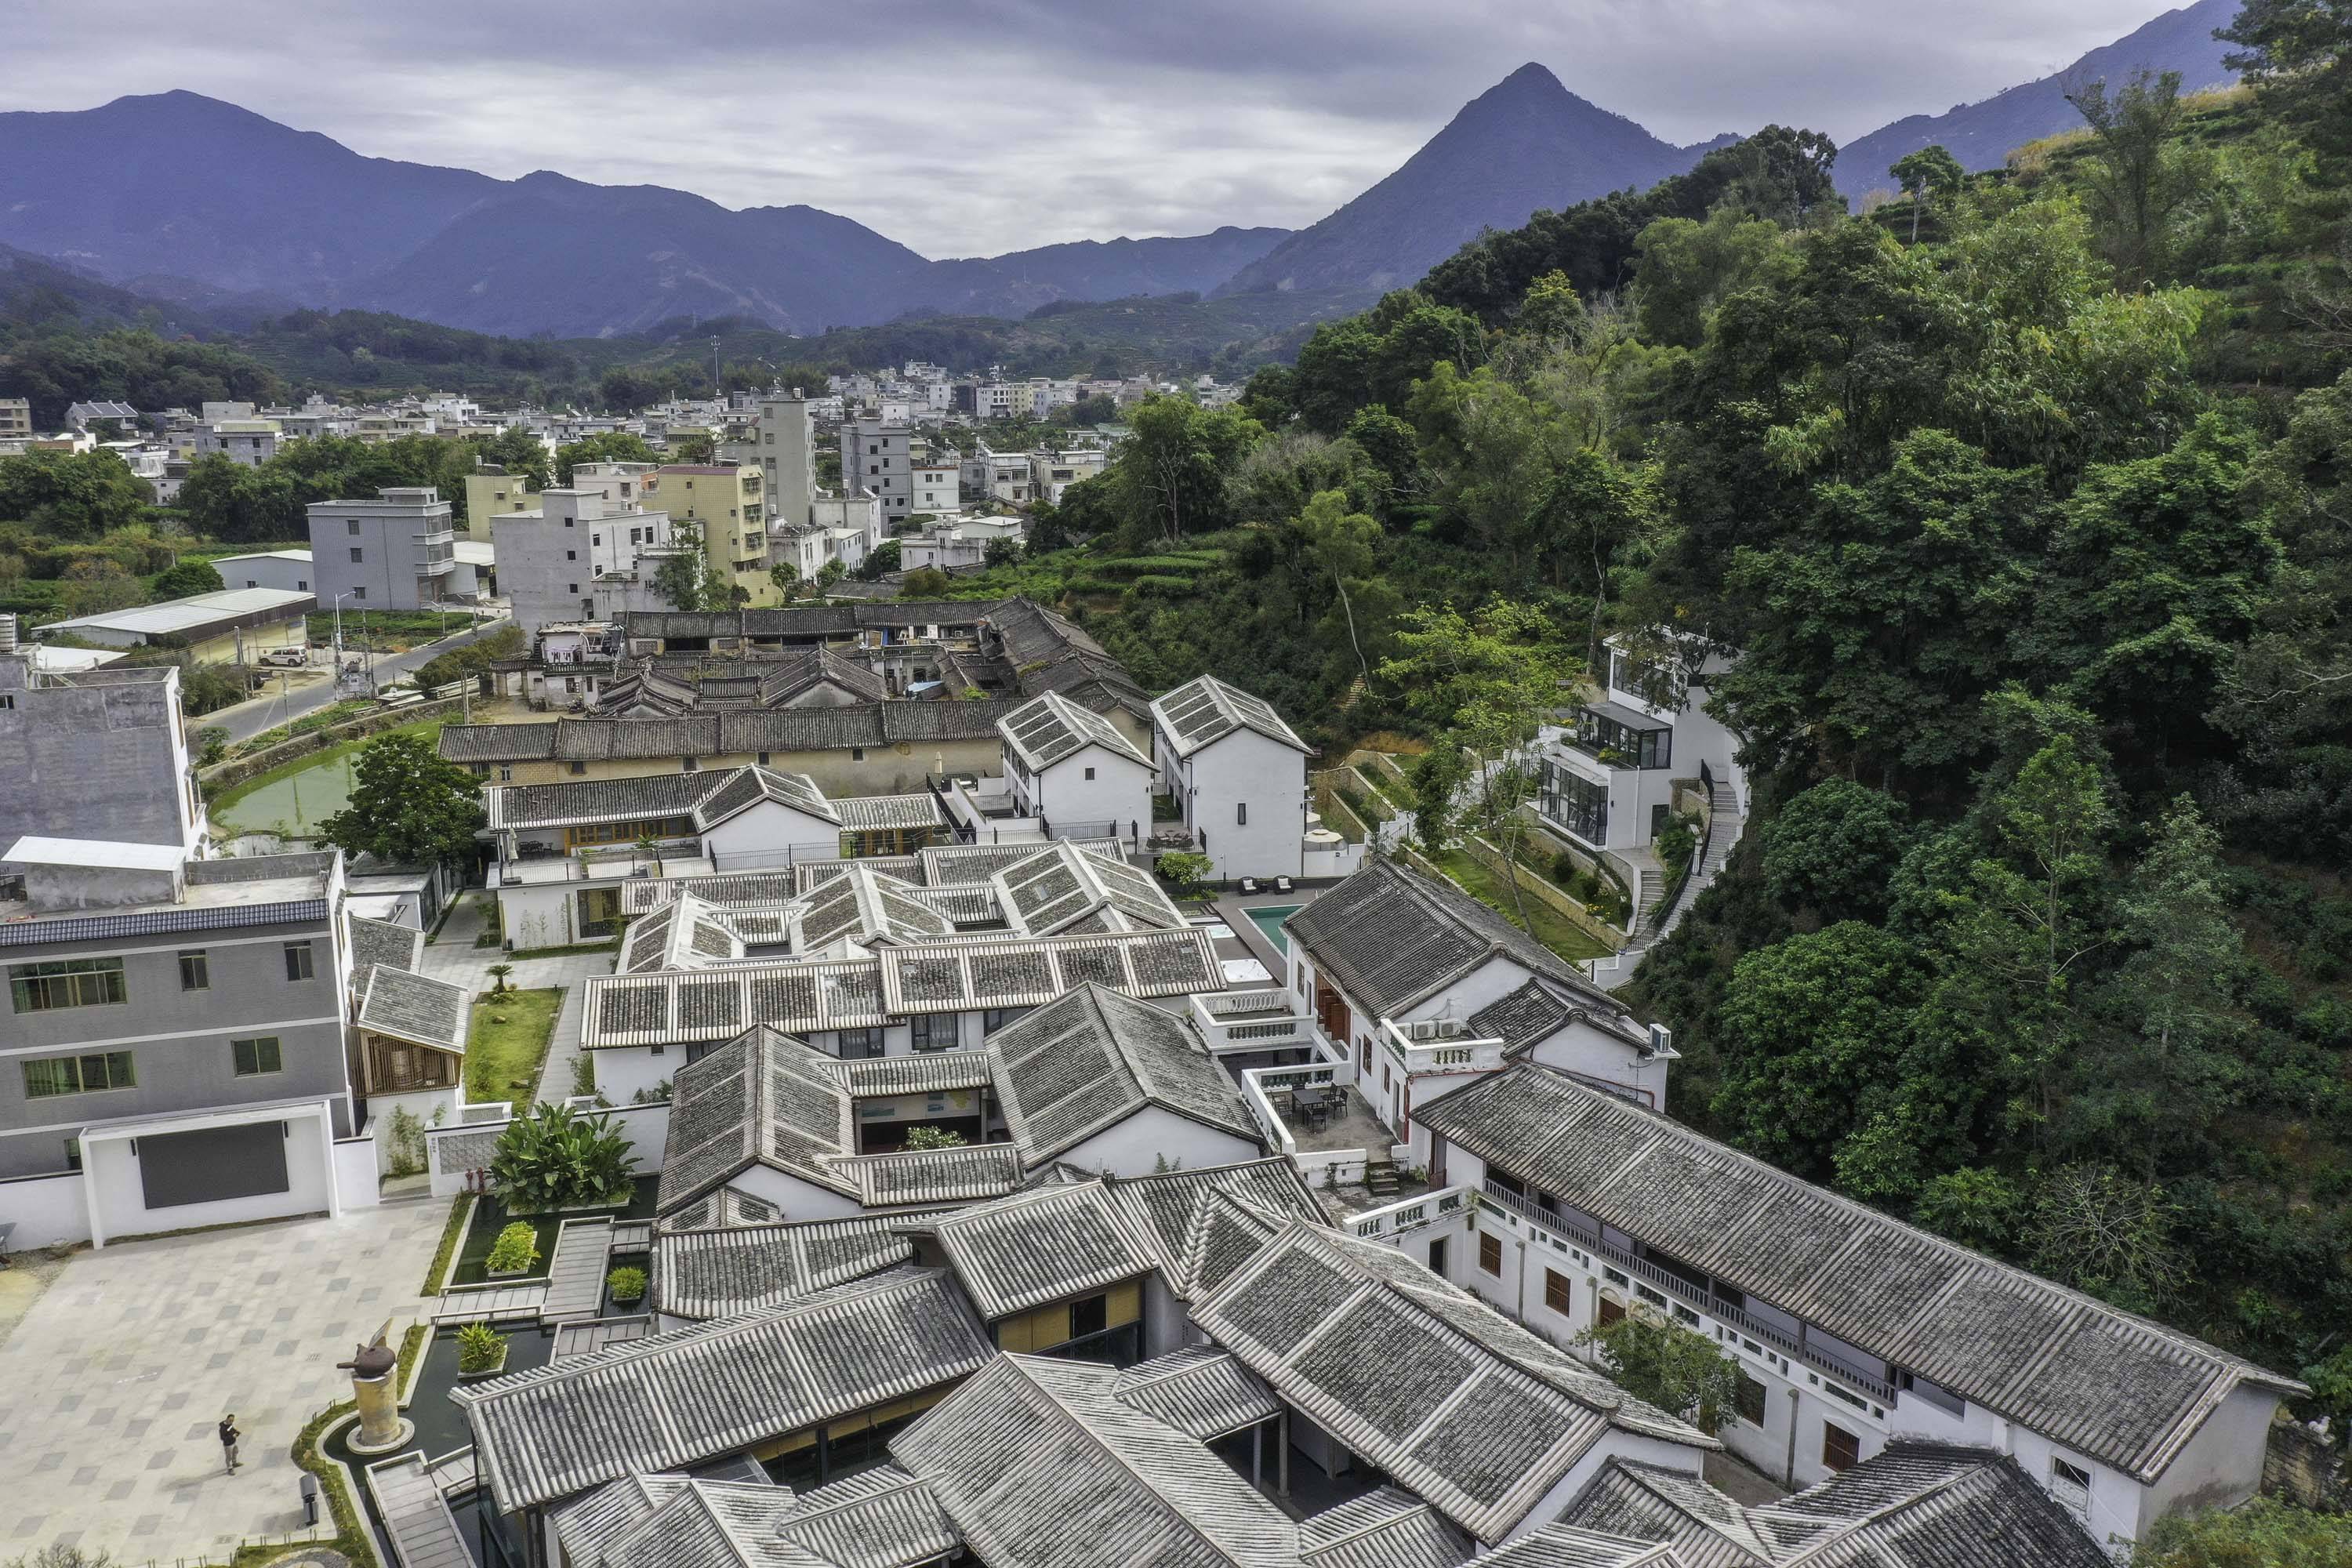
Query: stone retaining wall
x,y
225,776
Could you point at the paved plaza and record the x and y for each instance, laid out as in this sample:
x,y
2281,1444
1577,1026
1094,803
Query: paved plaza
x,y
113,1382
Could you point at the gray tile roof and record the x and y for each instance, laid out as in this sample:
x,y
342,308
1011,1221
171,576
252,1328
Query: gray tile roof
x,y
881,1518
707,1391
2123,1389
925,1072
1391,937
1923,1505
686,933
727,732
1387,1527
511,807
762,1099
1094,1057
974,974
719,1210
1200,1390
718,1004
1041,1465
1050,727
923,1176
1520,1018
1205,711
416,1008
1465,1408
740,791
880,813
1033,1248
1056,887
953,864
705,1274
865,906
383,942
766,1099
1192,1233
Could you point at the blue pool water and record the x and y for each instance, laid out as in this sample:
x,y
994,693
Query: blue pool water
x,y
1269,920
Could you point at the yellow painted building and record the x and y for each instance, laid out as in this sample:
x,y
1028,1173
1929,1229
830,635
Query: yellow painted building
x,y
725,503
488,495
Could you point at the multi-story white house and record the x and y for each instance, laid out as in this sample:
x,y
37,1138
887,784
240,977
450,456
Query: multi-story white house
x,y
1569,1208
1607,781
550,557
1238,775
1072,768
394,553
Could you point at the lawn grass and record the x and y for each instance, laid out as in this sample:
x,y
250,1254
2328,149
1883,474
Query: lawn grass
x,y
503,1058
460,1210
1548,927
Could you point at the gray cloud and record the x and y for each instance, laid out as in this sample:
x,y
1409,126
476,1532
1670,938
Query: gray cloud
x,y
965,127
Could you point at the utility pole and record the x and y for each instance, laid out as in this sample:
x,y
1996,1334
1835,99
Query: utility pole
x,y
715,390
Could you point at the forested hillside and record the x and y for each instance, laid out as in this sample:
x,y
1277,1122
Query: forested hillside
x,y
2030,530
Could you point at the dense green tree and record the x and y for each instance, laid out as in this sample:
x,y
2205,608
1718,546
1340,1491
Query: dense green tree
x,y
518,451
188,577
2140,174
1656,1360
1974,1207
612,446
2261,1534
407,806
1929,171
2298,56
1170,473
1834,848
1688,268
70,496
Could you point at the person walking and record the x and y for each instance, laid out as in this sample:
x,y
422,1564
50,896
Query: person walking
x,y
228,1436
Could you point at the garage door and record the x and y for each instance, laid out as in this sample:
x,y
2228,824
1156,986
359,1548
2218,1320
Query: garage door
x,y
217,1162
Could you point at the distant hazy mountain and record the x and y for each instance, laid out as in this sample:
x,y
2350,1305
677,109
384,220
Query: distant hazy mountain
x,y
192,199
1980,135
1525,144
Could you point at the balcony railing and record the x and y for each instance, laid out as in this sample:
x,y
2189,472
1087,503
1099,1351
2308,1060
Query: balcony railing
x,y
1674,1285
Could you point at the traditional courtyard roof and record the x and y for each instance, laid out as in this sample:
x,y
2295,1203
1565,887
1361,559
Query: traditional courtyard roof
x,y
711,1390
2121,1388
1205,710
864,906
1037,1246
744,788
382,942
961,976
1060,886
1462,1405
1392,938
705,1274
1928,1504
1041,1465
686,934
1049,728
1093,1058
416,1008
881,1518
1389,1528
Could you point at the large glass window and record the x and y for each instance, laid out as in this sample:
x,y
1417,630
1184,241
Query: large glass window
x,y
1575,802
65,983
931,1031
860,1043
1622,745
1658,687
48,1076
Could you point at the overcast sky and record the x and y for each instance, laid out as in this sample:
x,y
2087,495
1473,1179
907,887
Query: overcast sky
x,y
975,128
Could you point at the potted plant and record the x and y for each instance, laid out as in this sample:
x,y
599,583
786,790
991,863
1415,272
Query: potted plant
x,y
628,1286
481,1351
513,1253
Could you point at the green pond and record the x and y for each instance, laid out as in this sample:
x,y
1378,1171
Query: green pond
x,y
295,803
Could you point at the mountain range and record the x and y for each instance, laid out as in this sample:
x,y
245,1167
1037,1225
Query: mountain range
x,y
189,200
1981,134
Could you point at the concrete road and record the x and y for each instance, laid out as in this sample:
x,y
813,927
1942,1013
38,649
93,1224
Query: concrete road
x,y
248,719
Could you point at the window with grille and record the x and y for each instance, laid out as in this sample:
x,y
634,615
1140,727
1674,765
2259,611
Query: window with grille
x,y
1841,1449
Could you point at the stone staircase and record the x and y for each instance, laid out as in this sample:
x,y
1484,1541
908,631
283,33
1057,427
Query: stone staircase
x,y
1380,1178
1725,824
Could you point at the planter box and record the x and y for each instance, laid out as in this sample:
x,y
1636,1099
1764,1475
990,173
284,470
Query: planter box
x,y
522,1273
465,1376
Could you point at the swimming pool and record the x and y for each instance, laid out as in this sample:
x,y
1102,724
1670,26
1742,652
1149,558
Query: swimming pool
x,y
1269,920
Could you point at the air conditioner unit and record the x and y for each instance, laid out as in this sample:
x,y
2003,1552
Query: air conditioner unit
x,y
1661,1045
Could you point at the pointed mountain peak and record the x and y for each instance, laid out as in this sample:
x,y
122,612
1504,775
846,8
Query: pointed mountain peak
x,y
1529,77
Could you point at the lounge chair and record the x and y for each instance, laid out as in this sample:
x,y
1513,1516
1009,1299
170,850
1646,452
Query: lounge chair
x,y
1282,884
1249,886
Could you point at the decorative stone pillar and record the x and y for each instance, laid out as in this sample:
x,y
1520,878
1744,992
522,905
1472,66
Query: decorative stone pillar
x,y
375,1372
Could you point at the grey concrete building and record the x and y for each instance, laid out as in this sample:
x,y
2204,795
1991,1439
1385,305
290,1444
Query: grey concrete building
x,y
787,457
96,753
878,456
175,1037
394,553
549,558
